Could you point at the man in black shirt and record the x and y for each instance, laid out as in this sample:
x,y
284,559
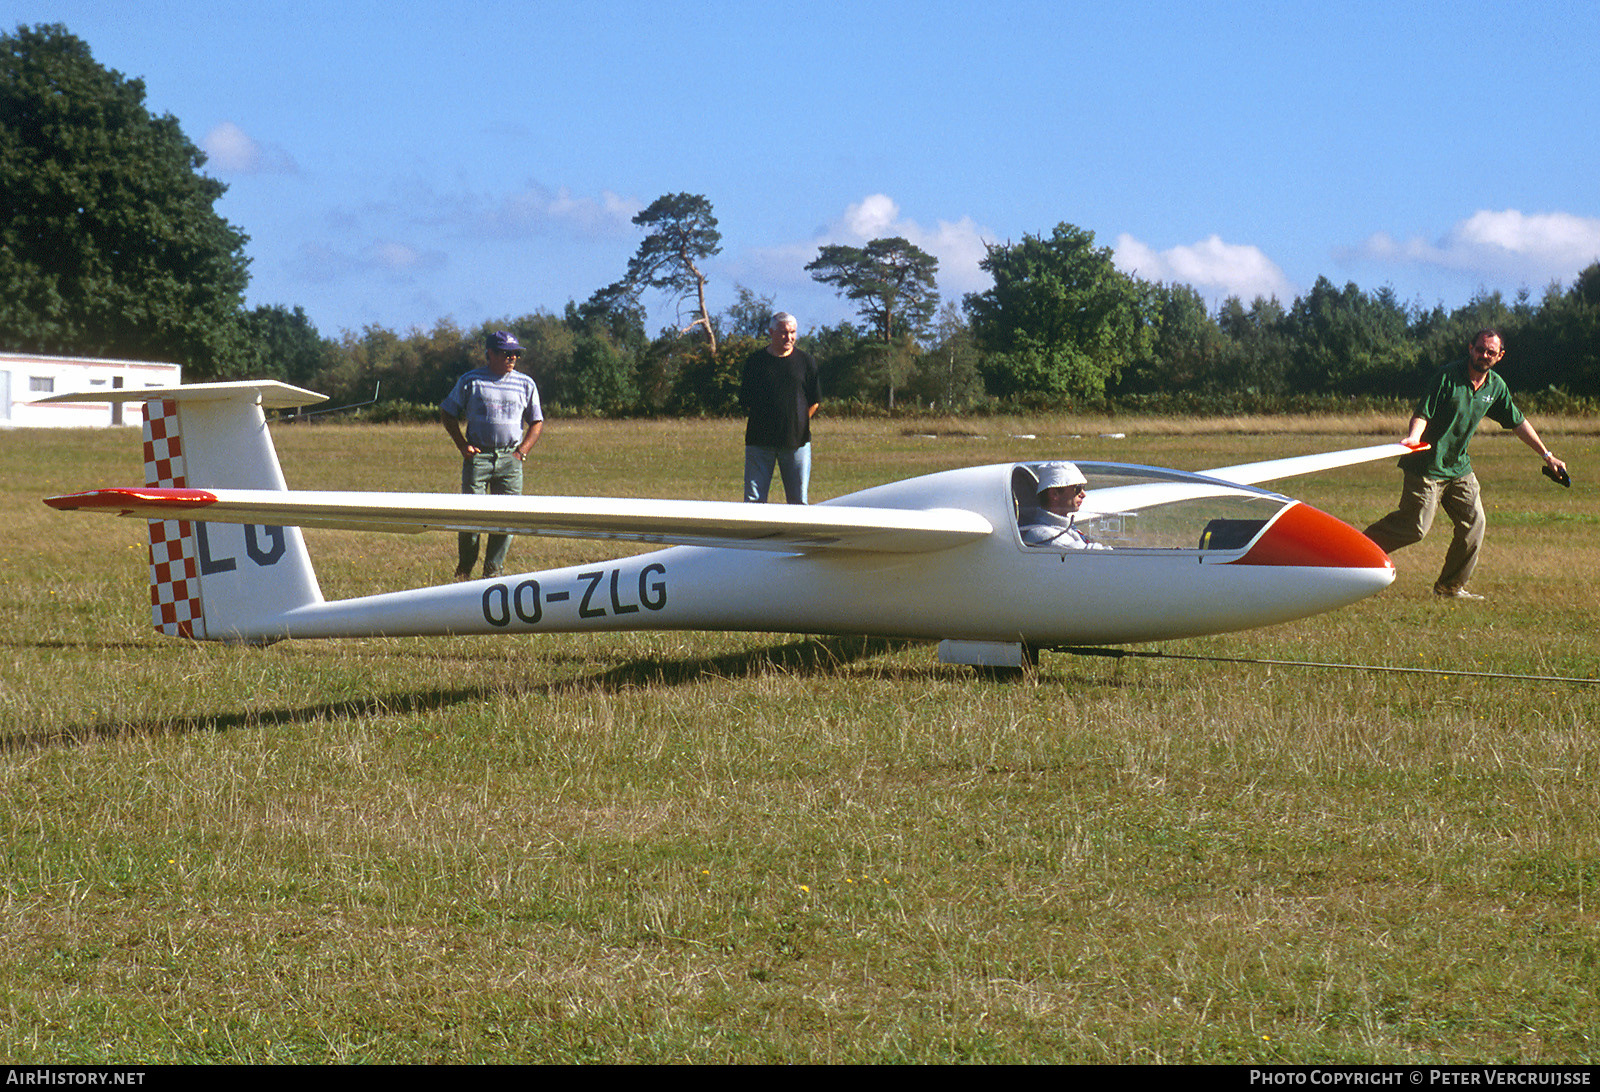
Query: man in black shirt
x,y
780,393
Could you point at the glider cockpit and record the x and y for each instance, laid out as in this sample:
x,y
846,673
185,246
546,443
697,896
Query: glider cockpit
x,y
1130,507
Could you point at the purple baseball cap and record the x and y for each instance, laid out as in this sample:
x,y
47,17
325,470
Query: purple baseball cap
x,y
501,341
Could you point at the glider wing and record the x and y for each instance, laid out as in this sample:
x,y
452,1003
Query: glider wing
x,y
1274,469
681,522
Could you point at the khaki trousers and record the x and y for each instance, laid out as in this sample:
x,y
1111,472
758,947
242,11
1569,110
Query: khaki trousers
x,y
1420,499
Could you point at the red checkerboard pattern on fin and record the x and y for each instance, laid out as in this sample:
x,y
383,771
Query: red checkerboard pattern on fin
x,y
174,573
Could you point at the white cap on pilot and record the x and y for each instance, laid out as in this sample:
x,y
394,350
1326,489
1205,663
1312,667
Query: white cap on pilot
x,y
1056,475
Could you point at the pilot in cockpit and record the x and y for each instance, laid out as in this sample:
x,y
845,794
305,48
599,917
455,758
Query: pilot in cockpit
x,y
1060,494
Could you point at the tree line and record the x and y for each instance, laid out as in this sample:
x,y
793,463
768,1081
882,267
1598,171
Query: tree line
x,y
112,247
1061,328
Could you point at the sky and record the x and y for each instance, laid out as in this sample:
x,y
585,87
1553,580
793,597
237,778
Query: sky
x,y
402,163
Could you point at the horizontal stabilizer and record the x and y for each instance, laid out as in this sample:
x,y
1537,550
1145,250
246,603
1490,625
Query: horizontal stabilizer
x,y
680,522
266,393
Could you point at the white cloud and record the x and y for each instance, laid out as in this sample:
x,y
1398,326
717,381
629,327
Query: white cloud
x,y
871,218
231,149
320,263
361,241
958,244
537,206
1212,267
533,210
1542,246
396,257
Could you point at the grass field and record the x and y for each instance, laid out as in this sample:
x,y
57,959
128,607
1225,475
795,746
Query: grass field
x,y
729,847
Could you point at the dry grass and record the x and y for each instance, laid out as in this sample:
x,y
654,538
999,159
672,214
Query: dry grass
x,y
714,847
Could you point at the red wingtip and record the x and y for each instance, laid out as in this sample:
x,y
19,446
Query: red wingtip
x,y
128,500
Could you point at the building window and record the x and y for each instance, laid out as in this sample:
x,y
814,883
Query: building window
x,y
42,384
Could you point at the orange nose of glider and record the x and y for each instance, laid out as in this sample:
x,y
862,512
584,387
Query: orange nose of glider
x,y
1303,536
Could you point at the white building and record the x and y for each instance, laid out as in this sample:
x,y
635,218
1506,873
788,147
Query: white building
x,y
25,377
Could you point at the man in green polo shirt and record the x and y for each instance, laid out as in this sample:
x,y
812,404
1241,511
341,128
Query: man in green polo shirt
x,y
1460,396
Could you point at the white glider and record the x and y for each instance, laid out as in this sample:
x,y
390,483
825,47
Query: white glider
x,y
939,556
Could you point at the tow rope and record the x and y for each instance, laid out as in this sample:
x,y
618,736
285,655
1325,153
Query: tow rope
x,y
1119,653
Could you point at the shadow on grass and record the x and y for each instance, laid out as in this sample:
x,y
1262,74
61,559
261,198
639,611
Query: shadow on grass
x,y
813,656
809,656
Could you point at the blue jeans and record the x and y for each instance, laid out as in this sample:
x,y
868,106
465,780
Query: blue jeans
x,y
793,463
499,473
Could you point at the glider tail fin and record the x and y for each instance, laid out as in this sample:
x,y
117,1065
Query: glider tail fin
x,y
221,582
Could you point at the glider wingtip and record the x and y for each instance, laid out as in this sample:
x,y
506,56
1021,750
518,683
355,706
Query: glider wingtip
x,y
128,499
70,502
